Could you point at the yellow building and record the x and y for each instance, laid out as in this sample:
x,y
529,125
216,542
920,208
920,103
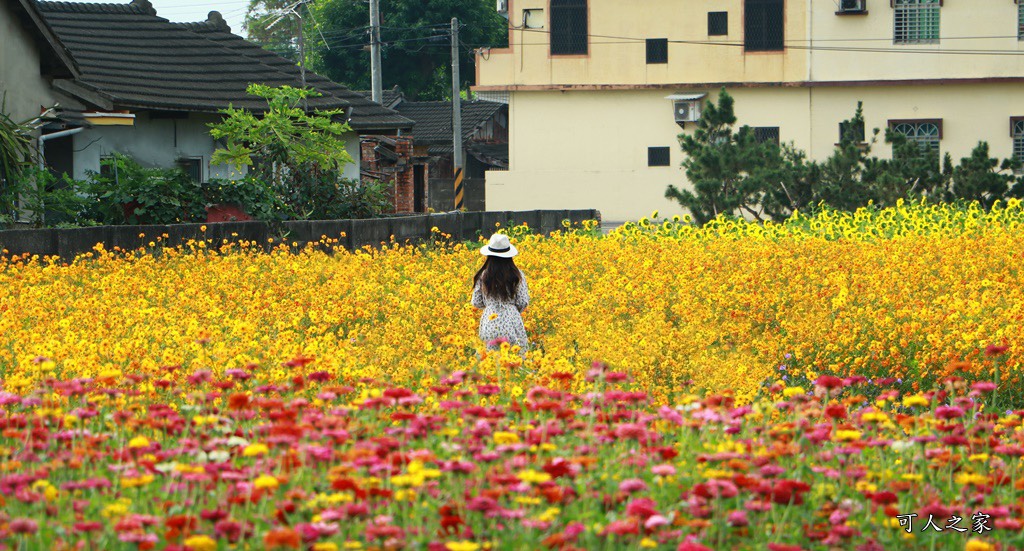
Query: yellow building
x,y
595,86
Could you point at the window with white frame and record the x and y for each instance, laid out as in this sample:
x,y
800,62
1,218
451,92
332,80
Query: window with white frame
x,y
916,21
925,133
1018,140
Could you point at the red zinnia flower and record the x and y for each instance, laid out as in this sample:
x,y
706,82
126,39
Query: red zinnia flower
x,y
995,349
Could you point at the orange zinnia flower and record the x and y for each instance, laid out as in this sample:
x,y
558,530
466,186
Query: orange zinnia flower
x,y
282,538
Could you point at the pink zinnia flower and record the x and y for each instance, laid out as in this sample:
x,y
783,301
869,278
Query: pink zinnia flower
x,y
737,518
631,485
665,469
23,526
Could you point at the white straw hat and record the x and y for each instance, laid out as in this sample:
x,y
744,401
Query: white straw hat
x,y
499,245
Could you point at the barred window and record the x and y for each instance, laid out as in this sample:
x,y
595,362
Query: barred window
x,y
763,25
658,156
193,167
657,50
766,134
1020,21
916,21
925,133
1018,139
568,27
718,23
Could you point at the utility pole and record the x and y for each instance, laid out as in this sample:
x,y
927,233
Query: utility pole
x,y
377,86
457,116
302,46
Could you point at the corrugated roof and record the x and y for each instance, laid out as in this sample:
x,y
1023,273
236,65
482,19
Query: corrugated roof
x,y
137,59
434,118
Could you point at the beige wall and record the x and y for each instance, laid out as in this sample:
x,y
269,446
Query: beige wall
x,y
973,25
813,33
614,61
20,76
588,149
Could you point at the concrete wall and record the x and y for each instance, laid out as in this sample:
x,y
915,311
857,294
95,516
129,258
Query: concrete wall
x,y
441,194
617,51
973,25
160,142
69,243
27,90
813,33
590,147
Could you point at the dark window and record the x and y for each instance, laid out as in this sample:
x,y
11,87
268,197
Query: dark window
x,y
850,131
657,50
658,156
766,134
764,25
568,27
193,167
718,23
106,165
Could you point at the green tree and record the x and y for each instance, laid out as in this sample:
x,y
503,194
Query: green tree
x,y
283,138
262,26
416,52
300,154
984,179
729,171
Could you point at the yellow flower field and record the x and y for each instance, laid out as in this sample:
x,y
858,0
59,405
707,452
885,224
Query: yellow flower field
x,y
909,291
841,380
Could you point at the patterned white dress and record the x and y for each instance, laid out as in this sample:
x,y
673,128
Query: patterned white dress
x,y
501,318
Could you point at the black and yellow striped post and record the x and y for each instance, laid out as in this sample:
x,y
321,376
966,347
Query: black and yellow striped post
x,y
459,190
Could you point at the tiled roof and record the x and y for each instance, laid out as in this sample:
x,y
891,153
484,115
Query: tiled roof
x,y
390,97
434,119
365,113
137,59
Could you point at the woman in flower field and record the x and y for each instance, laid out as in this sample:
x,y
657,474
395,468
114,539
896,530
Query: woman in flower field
x,y
835,382
499,288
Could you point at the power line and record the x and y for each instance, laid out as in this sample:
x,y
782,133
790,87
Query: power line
x,y
861,49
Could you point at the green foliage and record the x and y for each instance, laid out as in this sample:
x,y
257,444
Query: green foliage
x,y
132,194
15,158
320,195
46,199
416,53
256,197
984,179
285,136
733,175
728,170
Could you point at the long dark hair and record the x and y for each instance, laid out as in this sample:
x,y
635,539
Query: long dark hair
x,y
498,278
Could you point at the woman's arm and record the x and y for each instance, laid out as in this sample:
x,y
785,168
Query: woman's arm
x,y
522,293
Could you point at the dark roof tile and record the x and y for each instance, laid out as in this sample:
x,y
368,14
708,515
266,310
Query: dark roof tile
x,y
140,60
434,118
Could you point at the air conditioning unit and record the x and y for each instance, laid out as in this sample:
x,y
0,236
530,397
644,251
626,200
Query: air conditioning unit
x,y
852,6
503,7
687,110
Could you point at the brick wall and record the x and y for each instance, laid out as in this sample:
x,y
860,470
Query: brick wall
x,y
404,179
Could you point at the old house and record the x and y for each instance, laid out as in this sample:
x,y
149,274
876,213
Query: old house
x,y
31,58
484,144
150,88
599,89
